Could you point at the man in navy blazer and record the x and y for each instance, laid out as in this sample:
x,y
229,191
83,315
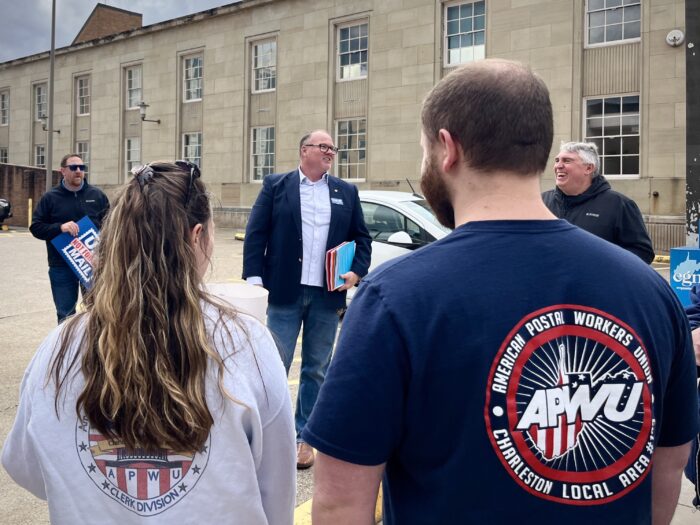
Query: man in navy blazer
x,y
296,218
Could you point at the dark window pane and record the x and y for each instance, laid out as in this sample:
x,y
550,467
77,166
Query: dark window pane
x,y
596,35
596,19
465,10
363,42
611,146
361,126
363,30
594,127
453,12
632,13
465,25
630,165
479,38
354,45
611,165
613,3
344,33
611,126
613,33
597,142
614,16
612,106
355,58
363,56
594,107
452,27
479,8
354,32
344,46
595,4
453,42
630,145
479,22
342,127
467,40
630,104
352,127
632,30
344,60
630,2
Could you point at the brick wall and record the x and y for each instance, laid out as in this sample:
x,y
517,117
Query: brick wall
x,y
18,184
105,21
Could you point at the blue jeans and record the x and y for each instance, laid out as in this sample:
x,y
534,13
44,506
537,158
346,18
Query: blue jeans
x,y
64,288
320,324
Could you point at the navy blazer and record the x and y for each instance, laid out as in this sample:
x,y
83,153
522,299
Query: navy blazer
x,y
273,247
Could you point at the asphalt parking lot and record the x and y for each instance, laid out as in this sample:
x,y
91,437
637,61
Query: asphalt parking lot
x,y
27,315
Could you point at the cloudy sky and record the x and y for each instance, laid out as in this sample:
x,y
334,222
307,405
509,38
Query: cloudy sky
x,y
25,29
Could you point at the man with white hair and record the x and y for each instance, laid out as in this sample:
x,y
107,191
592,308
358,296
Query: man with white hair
x,y
584,198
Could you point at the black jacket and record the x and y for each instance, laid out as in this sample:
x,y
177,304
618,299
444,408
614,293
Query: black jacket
x,y
604,213
62,205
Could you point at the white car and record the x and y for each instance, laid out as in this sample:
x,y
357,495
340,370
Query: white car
x,y
398,222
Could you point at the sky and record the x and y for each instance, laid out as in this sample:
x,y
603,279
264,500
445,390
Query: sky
x,y
25,28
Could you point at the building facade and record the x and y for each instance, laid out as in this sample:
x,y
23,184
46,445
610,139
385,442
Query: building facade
x,y
234,88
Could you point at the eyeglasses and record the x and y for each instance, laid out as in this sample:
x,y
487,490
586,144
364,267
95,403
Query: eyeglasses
x,y
325,148
144,174
76,167
186,165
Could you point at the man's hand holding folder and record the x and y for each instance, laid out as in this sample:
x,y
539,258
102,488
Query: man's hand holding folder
x,y
338,264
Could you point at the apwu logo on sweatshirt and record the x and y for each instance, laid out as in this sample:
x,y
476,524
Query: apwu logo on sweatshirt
x,y
145,482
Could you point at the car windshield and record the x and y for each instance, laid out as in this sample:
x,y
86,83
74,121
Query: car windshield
x,y
421,207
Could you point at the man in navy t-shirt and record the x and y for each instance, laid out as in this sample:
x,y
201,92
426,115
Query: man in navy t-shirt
x,y
518,370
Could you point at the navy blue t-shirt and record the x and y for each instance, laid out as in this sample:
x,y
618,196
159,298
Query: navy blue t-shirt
x,y
513,370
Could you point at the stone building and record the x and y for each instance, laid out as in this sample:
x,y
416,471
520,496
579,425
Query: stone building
x,y
235,87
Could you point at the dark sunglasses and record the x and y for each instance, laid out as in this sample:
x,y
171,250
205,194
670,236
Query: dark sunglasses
x,y
143,174
76,167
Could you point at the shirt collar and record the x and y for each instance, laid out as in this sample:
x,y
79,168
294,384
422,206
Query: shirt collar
x,y
82,184
303,179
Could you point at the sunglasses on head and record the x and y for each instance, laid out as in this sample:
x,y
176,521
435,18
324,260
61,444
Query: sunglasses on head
x,y
76,167
144,174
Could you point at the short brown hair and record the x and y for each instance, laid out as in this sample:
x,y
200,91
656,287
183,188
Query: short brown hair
x,y
498,111
66,157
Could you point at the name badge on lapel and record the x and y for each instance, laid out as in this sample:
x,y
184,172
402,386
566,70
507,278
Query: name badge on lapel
x,y
337,201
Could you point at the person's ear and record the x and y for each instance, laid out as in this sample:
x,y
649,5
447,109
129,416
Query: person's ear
x,y
451,151
196,233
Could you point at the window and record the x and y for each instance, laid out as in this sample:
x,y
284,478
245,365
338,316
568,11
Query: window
x,y
465,33
39,156
613,20
352,144
193,78
264,66
352,52
133,87
82,91
192,148
39,101
132,150
262,152
612,123
82,148
3,156
4,108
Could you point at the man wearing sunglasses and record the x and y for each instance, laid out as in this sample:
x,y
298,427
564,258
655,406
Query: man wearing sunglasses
x,y
58,211
296,218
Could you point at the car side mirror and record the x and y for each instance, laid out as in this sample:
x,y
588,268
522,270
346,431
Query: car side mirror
x,y
400,237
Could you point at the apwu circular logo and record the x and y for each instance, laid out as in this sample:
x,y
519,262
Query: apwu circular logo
x,y
145,482
569,406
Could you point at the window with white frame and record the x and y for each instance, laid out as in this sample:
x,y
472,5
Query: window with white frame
x,y
352,51
351,140
262,152
192,148
39,101
132,151
4,108
193,78
40,156
264,63
3,156
82,91
464,32
612,123
133,87
82,148
613,20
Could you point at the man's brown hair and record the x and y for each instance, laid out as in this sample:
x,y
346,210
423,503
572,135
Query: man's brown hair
x,y
498,111
66,157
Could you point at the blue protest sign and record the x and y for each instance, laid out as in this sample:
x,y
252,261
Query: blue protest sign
x,y
684,271
78,251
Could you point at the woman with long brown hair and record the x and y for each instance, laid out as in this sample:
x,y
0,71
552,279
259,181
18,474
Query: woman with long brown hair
x,y
158,403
